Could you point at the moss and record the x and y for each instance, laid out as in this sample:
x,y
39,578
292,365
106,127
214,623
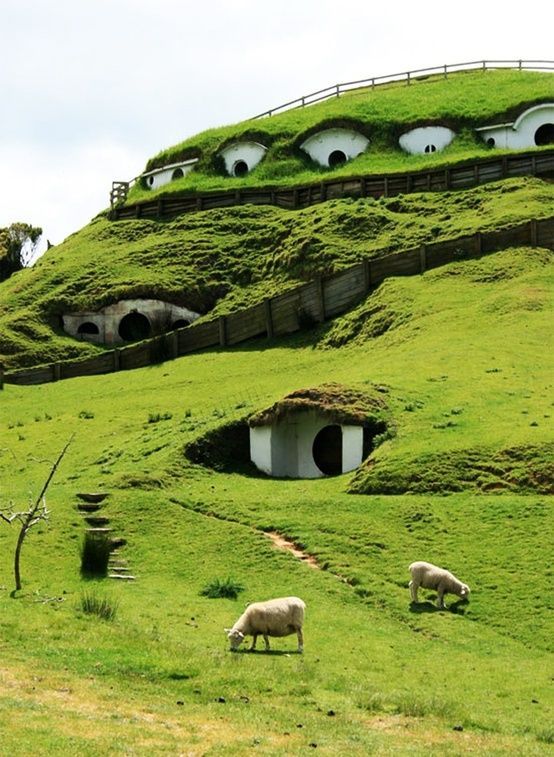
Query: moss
x,y
340,404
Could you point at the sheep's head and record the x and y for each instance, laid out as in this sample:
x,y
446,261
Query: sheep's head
x,y
235,638
465,591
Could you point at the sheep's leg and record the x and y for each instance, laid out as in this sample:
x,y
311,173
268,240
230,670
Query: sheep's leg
x,y
266,642
254,640
413,590
440,599
300,640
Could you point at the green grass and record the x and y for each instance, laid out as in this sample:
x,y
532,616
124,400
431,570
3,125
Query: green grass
x,y
467,343
463,102
210,263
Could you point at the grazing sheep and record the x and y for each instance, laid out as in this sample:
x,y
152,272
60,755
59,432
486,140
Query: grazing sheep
x,y
276,617
431,577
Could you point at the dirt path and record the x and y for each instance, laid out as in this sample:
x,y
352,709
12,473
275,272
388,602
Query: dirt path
x,y
280,542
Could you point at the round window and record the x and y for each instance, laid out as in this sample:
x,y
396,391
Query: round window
x,y
337,158
150,180
430,148
491,141
240,168
88,328
177,174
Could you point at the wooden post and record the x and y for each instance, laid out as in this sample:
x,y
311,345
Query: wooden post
x,y
160,210
423,258
386,186
367,275
478,243
533,232
320,295
138,210
1,377
268,319
56,371
116,359
363,186
323,192
447,178
504,165
222,330
199,203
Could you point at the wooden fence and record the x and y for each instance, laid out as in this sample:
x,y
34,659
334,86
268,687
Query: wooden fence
x,y
336,90
301,307
532,163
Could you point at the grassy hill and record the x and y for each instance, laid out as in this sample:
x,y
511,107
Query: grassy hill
x,y
463,358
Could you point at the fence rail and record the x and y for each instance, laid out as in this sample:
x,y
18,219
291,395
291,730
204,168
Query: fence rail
x,y
336,90
301,307
462,176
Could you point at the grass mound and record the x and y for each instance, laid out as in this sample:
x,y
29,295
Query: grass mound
x,y
521,470
222,260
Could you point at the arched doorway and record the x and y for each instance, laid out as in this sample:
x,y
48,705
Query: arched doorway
x,y
327,450
133,327
544,135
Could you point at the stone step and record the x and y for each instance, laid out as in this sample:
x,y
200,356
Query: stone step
x,y
92,496
97,520
88,507
121,576
99,530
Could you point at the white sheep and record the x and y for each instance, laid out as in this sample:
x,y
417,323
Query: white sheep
x,y
276,617
429,576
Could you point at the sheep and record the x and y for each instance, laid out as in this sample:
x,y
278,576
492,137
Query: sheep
x,y
431,577
276,617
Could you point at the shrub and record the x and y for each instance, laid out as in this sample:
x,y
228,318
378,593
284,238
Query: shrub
x,y
103,607
226,589
95,553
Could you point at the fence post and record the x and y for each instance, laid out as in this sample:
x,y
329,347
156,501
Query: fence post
x,y
56,371
478,242
1,377
268,318
533,232
160,207
423,258
174,345
367,275
116,359
320,295
386,187
222,330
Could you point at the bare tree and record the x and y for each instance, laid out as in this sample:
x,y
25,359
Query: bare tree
x,y
35,513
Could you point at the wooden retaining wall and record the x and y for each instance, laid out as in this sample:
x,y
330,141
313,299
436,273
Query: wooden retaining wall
x,y
532,163
299,308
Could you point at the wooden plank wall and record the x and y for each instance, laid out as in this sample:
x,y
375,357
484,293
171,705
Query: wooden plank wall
x,y
457,177
301,307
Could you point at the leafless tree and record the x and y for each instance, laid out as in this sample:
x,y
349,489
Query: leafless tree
x,y
36,512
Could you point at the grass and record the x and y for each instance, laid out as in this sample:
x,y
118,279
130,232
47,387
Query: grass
x,y
226,588
463,102
160,676
208,263
103,607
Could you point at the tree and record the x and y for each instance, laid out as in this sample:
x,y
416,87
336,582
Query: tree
x,y
36,513
18,243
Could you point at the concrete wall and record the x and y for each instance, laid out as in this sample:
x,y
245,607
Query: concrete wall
x,y
160,176
284,449
520,133
320,146
250,153
161,315
417,140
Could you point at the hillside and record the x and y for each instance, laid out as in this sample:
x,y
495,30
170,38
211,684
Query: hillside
x,y
455,362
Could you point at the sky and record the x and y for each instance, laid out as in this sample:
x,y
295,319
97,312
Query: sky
x,y
90,89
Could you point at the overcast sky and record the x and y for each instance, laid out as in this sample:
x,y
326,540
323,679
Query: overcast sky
x,y
90,89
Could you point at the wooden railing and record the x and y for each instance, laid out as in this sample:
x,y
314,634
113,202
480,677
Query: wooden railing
x,y
336,90
316,301
467,174
119,192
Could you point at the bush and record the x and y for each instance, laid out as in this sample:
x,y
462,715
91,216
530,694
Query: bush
x,y
226,589
101,606
95,553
